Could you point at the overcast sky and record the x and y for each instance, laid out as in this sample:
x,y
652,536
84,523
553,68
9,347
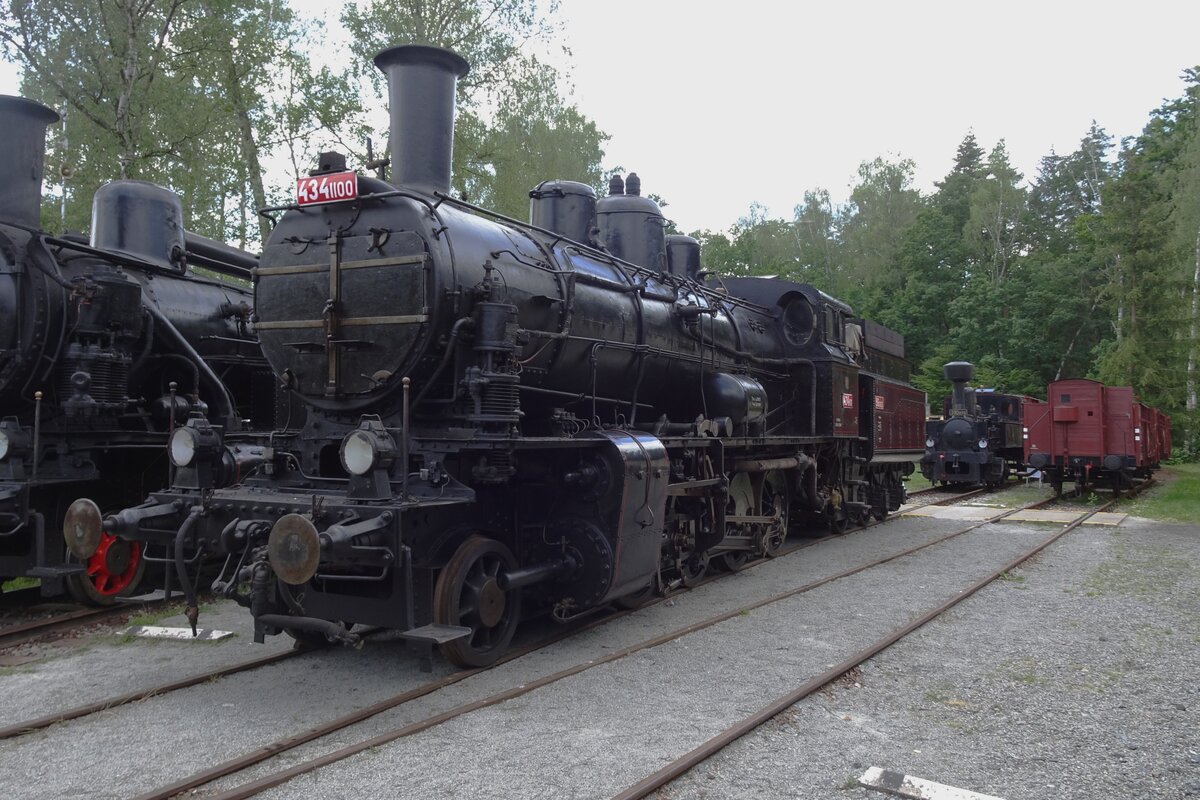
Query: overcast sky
x,y
720,104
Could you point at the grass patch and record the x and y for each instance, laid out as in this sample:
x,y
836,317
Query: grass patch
x,y
17,584
157,616
1025,670
1137,570
1175,499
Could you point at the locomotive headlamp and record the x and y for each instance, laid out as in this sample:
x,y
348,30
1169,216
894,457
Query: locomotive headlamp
x,y
983,444
359,454
930,442
368,447
196,441
184,443
13,440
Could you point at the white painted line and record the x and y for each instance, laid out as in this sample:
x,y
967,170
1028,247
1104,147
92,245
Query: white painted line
x,y
184,634
901,785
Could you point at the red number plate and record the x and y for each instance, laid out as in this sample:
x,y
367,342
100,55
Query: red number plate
x,y
847,400
333,188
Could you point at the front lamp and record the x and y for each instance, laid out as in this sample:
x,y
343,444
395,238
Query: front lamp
x,y
368,448
930,442
184,444
359,454
983,444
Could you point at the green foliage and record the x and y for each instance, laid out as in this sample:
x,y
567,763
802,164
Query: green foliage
x,y
514,126
191,94
1090,270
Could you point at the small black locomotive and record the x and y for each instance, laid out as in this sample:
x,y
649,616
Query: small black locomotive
x,y
509,418
979,440
106,343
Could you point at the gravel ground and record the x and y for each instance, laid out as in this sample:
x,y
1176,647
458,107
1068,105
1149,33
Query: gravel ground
x,y
188,730
1074,679
596,733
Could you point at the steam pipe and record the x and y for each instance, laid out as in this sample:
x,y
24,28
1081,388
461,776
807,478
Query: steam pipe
x,y
169,332
559,567
185,581
218,256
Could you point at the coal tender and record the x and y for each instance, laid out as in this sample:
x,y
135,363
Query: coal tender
x,y
510,419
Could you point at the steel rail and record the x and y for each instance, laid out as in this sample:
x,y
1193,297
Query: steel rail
x,y
267,751
39,723
21,633
714,745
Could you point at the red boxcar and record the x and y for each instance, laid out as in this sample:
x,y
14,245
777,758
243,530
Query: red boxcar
x,y
1164,435
1035,418
1147,434
1090,433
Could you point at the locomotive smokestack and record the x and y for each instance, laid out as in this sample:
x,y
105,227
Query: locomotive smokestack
x,y
958,373
421,84
24,124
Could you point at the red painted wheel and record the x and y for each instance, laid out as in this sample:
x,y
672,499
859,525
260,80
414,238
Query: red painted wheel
x,y
113,571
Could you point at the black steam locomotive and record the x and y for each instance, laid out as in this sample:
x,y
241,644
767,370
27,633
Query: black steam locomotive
x,y
106,344
980,438
508,418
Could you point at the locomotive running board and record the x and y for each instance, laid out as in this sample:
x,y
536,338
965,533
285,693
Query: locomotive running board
x,y
421,640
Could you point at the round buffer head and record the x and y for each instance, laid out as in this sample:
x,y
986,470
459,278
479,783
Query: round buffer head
x,y
82,527
294,549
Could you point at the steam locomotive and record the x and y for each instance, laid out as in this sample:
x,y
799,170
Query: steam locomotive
x,y
508,419
107,343
979,440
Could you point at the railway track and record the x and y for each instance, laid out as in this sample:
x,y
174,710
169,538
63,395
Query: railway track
x,y
30,631
265,752
717,743
76,712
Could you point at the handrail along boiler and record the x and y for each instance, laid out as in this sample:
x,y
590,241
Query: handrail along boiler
x,y
509,418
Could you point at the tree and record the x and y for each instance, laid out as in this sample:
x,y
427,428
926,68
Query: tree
x,y
188,95
883,205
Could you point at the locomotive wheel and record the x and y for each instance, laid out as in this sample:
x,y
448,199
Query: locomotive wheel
x,y
776,502
838,521
635,600
113,571
467,594
693,567
732,561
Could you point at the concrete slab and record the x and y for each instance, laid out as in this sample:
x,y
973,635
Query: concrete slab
x,y
1045,515
1105,518
914,788
180,634
951,512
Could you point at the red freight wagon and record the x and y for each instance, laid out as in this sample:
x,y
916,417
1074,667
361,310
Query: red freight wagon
x,y
1035,417
1076,445
1124,419
1164,435
1147,433
1091,434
